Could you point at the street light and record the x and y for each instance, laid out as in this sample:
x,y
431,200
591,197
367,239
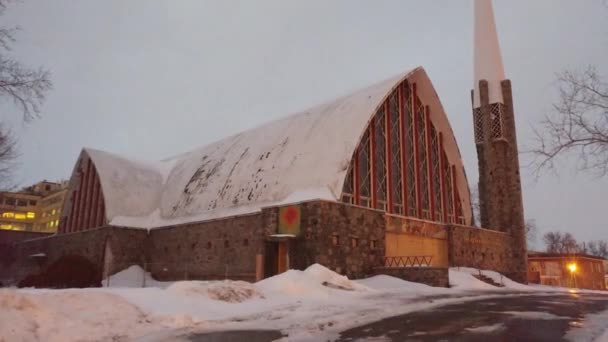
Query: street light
x,y
572,268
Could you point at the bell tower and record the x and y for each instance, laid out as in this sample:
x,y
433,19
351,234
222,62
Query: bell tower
x,y
500,195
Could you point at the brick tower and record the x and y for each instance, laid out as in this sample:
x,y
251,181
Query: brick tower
x,y
500,195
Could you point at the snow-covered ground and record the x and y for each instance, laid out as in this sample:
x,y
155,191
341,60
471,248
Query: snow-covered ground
x,y
307,304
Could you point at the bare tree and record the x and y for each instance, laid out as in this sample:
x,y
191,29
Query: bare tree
x,y
23,86
8,154
579,124
531,232
553,241
556,242
598,248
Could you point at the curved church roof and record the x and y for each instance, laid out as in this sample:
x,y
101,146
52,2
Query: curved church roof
x,y
301,157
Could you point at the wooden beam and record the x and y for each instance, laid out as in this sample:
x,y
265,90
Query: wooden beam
x,y
372,161
415,139
356,181
454,194
429,162
95,199
388,158
77,217
442,175
88,197
402,146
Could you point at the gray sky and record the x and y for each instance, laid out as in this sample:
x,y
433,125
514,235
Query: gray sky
x,y
152,79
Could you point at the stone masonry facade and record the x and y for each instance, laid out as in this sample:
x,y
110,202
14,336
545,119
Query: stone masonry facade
x,y
345,238
500,194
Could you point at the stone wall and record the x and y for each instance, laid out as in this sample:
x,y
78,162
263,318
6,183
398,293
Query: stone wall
x,y
432,276
479,248
347,239
8,257
217,249
10,237
34,256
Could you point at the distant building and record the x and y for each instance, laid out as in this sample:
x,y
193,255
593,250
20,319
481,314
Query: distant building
x,y
567,270
36,208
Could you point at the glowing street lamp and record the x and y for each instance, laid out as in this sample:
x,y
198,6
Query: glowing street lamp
x,y
572,268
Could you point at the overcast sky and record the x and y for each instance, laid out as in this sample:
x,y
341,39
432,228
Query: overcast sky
x,y
150,79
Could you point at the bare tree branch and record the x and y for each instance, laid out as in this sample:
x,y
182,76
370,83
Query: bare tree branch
x,y
578,126
8,156
24,87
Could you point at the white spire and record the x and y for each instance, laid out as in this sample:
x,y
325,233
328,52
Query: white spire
x,y
487,60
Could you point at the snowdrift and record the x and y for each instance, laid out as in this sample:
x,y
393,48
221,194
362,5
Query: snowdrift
x,y
460,279
68,315
134,276
226,291
315,281
389,283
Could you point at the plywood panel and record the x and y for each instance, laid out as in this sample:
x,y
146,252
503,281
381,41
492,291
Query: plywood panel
x,y
415,245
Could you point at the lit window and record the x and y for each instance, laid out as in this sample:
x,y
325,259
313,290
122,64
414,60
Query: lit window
x,y
6,226
56,223
20,216
52,224
31,215
53,212
8,215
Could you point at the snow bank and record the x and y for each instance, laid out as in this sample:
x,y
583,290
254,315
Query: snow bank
x,y
68,315
134,276
497,278
594,328
226,291
386,282
465,281
315,281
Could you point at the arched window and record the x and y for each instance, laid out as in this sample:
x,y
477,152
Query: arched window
x,y
400,165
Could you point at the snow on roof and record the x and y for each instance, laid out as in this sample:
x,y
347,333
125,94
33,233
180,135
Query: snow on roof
x,y
301,157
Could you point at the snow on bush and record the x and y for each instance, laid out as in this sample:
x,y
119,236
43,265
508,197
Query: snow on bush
x,y
226,291
315,281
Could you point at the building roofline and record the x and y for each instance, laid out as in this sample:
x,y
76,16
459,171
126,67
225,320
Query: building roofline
x,y
563,255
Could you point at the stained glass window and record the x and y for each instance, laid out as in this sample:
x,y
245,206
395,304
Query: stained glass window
x,y
403,128
438,215
380,159
423,161
410,165
395,134
447,170
349,189
364,174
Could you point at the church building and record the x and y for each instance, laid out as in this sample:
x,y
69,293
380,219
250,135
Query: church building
x,y
372,182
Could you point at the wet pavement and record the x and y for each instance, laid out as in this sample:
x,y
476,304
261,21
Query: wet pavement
x,y
513,318
236,336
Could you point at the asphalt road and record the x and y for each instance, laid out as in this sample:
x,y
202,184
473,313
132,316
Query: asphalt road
x,y
507,317
517,318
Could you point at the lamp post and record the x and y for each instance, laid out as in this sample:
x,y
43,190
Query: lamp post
x,y
572,268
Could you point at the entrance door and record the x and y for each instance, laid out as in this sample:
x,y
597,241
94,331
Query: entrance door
x,y
276,258
271,253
